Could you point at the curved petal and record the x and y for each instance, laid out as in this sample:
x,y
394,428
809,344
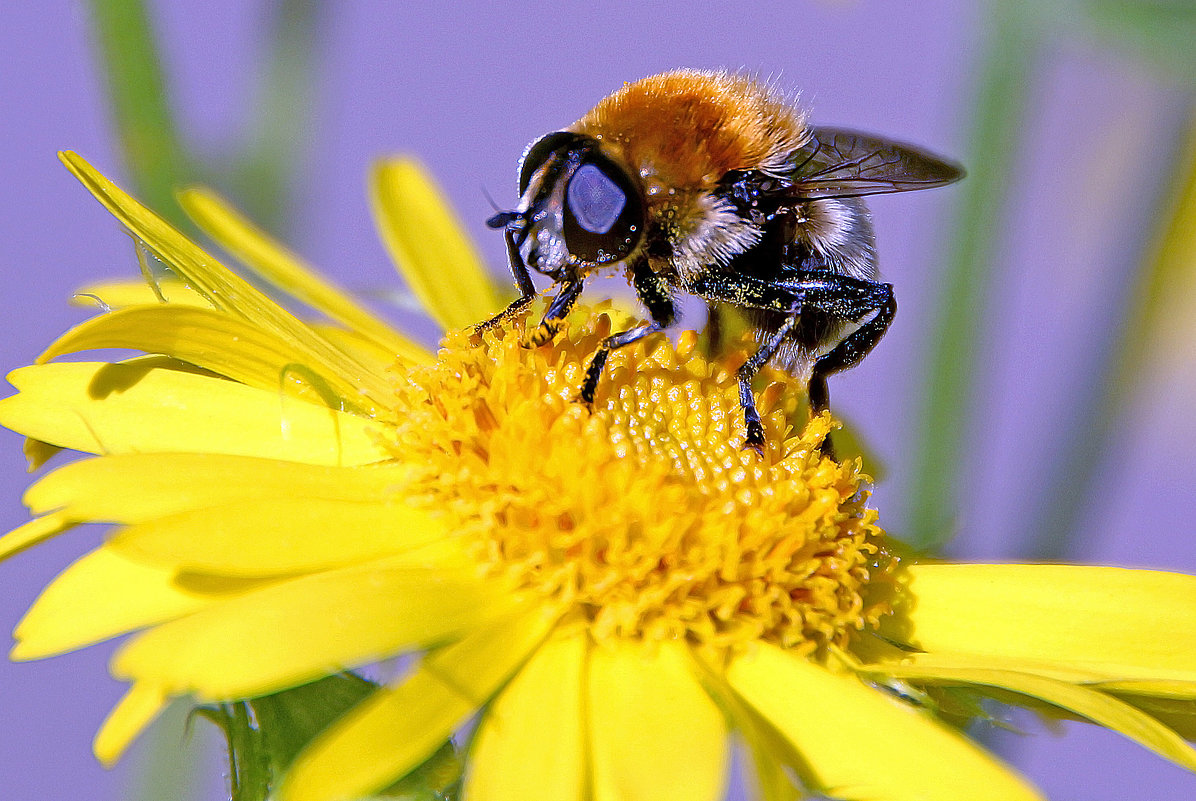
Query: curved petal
x,y
298,630
34,532
273,262
128,718
655,733
1098,707
103,594
428,246
216,341
397,728
1069,622
531,744
122,294
266,537
215,282
367,350
862,745
153,405
137,487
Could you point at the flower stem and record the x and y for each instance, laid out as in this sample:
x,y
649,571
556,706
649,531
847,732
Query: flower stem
x,y
1004,81
154,156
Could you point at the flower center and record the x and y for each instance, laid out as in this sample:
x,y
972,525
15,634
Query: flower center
x,y
643,517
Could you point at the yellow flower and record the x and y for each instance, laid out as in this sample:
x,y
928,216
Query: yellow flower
x,y
614,596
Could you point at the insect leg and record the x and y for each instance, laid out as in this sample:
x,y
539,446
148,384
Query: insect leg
x,y
752,292
747,371
850,299
523,280
652,288
840,296
557,311
590,385
877,300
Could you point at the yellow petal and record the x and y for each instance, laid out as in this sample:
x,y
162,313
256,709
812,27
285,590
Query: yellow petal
x,y
397,728
221,287
367,350
136,710
1177,714
34,532
272,536
122,294
530,744
155,405
778,774
427,245
277,265
216,341
104,594
1100,708
136,487
861,744
308,627
37,453
1069,622
655,733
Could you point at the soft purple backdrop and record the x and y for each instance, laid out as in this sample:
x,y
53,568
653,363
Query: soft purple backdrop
x,y
466,88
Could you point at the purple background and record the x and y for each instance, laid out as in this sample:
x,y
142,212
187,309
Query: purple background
x,y
466,88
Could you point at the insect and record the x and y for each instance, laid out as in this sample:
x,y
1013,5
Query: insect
x,y
711,184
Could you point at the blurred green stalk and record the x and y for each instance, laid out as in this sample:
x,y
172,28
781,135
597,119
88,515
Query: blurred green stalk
x,y
1166,269
282,102
154,156
1013,44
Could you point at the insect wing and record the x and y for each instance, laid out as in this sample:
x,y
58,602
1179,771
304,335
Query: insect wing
x,y
841,163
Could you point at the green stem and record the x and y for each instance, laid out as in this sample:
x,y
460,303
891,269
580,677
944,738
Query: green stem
x,y
283,106
1056,525
169,764
1001,99
154,156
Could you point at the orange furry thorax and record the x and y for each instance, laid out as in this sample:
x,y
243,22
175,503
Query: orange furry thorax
x,y
684,130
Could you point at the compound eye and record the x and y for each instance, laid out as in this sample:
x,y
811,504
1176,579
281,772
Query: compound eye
x,y
595,200
603,213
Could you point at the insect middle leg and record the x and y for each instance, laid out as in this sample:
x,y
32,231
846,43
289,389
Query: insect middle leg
x,y
838,296
653,290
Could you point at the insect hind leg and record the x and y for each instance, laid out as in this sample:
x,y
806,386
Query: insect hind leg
x,y
854,347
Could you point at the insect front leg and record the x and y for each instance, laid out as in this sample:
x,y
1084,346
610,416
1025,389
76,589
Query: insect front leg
x,y
523,280
554,318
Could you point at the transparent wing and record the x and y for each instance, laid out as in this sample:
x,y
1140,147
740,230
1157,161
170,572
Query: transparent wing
x,y
841,163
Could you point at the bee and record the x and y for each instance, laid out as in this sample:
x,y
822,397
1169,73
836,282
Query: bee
x,y
710,184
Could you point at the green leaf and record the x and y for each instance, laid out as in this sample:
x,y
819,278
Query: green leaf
x,y
265,734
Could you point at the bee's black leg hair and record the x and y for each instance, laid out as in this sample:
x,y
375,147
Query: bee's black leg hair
x,y
652,288
840,296
523,280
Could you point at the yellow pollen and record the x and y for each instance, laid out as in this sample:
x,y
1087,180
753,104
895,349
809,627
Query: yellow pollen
x,y
643,517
